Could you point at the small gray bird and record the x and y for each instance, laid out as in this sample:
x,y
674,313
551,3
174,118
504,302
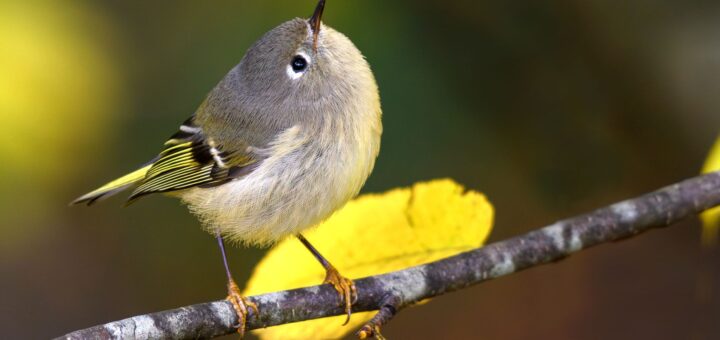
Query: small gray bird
x,y
285,139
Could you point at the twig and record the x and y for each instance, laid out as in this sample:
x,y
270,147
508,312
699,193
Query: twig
x,y
395,290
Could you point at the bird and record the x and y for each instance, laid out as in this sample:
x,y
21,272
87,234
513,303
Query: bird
x,y
286,138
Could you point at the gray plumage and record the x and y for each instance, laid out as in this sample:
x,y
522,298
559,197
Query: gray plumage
x,y
272,150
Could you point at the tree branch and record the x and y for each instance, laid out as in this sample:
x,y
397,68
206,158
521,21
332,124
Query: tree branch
x,y
392,291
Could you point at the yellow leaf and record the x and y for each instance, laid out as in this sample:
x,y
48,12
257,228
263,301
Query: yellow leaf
x,y
374,234
711,218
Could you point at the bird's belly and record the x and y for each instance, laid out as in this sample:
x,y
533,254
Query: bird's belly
x,y
279,198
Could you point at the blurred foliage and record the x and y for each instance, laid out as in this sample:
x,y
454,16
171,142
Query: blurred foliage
x,y
711,218
58,94
374,234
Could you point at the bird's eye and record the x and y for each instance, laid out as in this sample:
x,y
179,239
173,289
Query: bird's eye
x,y
299,64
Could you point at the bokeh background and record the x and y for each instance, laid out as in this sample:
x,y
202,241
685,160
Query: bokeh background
x,y
550,108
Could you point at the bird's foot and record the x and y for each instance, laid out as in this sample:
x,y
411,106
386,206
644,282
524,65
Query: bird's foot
x,y
369,331
240,304
345,288
389,307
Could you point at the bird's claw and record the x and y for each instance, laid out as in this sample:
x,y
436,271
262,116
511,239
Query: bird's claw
x,y
345,288
240,304
368,331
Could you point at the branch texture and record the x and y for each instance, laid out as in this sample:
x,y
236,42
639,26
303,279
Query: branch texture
x,y
393,291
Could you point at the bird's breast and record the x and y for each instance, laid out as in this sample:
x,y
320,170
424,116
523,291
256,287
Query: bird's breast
x,y
306,174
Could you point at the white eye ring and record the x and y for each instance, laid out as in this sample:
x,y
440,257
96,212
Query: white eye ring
x,y
295,73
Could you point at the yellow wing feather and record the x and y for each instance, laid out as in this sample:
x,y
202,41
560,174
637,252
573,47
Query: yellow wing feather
x,y
179,168
113,186
188,160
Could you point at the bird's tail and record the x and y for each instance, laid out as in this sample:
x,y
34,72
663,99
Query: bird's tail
x,y
113,187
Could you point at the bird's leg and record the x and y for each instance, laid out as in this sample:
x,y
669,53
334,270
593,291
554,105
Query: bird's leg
x,y
239,302
344,286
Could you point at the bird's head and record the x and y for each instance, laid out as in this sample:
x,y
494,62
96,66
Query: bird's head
x,y
302,69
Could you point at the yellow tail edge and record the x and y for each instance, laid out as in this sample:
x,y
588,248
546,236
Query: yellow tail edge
x,y
113,187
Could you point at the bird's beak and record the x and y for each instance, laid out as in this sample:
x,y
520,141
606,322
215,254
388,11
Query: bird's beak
x,y
315,22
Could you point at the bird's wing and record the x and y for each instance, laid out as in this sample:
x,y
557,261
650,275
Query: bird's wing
x,y
192,159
